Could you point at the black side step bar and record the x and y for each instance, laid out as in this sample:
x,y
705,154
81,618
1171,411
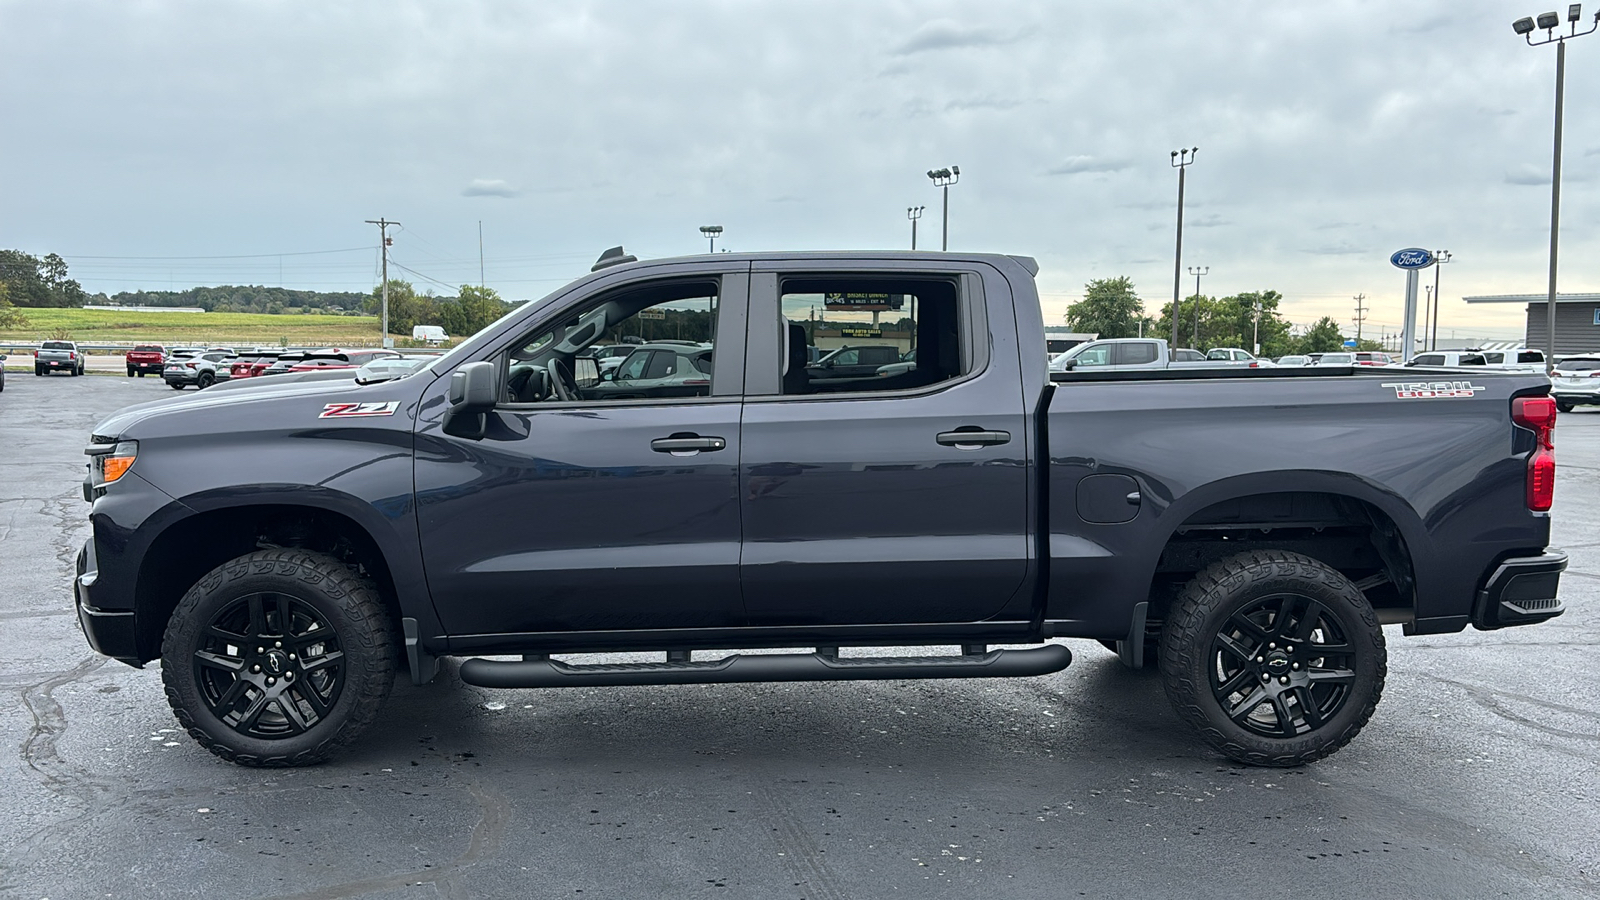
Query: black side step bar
x,y
540,672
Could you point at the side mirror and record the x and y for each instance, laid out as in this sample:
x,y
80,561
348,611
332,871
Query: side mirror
x,y
609,375
474,390
1067,365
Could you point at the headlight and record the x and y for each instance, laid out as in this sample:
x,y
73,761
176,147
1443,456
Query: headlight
x,y
106,467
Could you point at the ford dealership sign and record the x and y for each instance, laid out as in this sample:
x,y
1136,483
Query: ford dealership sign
x,y
1412,258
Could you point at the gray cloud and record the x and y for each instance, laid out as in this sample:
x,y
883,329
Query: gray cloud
x,y
1529,174
943,34
1082,165
1337,250
488,187
982,103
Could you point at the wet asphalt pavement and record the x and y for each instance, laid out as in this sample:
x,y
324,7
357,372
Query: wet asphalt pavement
x,y
1477,777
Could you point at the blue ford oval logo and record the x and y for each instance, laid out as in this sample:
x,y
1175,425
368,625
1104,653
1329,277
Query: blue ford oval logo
x,y
1412,258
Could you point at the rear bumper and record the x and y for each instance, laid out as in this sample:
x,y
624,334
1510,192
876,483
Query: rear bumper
x,y
110,632
156,367
1586,397
1521,591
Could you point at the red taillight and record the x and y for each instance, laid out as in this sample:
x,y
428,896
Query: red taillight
x,y
1538,414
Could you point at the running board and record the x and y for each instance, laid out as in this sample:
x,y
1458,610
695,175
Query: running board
x,y
541,672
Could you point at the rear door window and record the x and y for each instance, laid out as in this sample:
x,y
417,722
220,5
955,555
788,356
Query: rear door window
x,y
871,322
1136,353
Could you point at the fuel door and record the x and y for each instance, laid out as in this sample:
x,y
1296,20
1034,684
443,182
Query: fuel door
x,y
1108,499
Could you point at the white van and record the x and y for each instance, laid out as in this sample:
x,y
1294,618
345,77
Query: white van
x,y
432,334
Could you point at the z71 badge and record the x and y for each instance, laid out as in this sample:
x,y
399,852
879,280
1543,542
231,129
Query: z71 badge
x,y
1430,390
359,410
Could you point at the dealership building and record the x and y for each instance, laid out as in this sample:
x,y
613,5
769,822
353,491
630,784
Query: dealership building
x,y
1577,320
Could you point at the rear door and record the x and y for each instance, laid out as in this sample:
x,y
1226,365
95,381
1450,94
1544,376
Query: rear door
x,y
900,498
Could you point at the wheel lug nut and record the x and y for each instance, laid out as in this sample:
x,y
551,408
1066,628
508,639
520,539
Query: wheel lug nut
x,y
1265,677
274,680
1294,665
261,649
288,676
255,668
1272,646
277,643
1283,680
291,656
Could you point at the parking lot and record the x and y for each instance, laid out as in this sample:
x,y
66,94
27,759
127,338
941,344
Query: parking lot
x,y
1479,776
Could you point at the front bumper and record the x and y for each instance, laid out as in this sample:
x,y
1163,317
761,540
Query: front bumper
x,y
1521,591
111,633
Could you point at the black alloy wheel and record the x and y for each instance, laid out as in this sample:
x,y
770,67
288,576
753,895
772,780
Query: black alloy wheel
x,y
278,658
1276,658
204,380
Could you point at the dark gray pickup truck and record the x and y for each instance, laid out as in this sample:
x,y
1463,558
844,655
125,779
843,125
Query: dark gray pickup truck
x,y
284,549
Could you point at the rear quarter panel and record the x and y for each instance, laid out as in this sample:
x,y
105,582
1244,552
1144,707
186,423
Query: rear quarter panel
x,y
1448,471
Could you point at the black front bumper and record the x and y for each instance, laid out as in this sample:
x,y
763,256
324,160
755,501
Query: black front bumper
x,y
110,632
1521,591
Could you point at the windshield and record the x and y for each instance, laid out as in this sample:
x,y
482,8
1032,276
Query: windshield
x,y
1337,359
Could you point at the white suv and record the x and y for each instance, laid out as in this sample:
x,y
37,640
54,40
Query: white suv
x,y
1576,382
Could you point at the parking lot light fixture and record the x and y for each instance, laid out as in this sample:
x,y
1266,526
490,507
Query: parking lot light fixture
x,y
1549,22
914,213
712,232
1181,160
943,178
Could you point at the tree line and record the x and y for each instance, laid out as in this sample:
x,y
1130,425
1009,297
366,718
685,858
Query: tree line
x,y
1111,308
247,299
466,313
32,282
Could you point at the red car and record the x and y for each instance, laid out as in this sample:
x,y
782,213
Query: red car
x,y
252,364
145,359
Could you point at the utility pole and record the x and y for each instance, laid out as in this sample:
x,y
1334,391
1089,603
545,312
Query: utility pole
x,y
480,255
383,245
1361,316
1181,160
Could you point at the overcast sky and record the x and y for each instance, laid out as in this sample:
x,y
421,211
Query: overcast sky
x,y
1330,134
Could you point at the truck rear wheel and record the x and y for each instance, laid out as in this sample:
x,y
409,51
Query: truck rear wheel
x,y
278,658
1277,659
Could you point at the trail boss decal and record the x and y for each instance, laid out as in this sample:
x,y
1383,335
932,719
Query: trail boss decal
x,y
1430,390
359,410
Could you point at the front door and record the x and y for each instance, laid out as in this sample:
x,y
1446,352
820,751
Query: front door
x,y
582,511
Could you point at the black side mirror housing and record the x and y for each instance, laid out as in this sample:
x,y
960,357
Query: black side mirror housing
x,y
1069,364
474,391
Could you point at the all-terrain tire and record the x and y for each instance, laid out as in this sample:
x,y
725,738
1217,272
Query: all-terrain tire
x,y
1241,622
334,604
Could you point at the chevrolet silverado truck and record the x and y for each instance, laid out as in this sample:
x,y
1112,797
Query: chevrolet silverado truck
x,y
285,551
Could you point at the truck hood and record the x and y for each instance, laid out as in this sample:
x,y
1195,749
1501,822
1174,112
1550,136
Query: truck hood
x,y
276,404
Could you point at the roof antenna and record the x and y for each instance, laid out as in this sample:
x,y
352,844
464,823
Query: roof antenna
x,y
613,257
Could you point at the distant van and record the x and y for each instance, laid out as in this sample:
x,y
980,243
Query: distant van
x,y
433,334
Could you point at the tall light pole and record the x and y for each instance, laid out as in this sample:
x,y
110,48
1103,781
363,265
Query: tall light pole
x,y
1197,271
914,213
1440,257
712,232
1181,160
943,178
383,245
1427,307
1550,22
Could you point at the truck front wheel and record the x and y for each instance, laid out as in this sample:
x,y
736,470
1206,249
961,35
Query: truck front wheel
x,y
1277,659
278,658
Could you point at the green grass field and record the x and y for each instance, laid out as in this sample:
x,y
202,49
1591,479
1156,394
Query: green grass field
x,y
96,326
